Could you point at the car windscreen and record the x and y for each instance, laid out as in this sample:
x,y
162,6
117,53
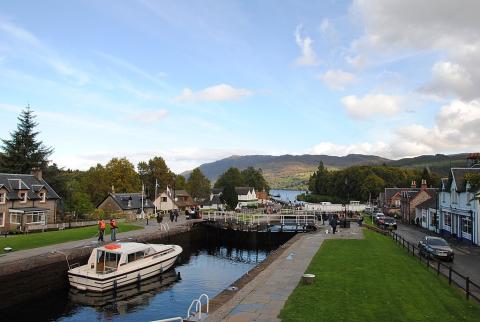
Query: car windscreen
x,y
437,242
389,220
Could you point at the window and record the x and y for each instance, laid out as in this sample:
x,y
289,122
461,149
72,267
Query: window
x,y
164,199
135,256
23,197
2,198
2,219
42,196
15,218
107,262
447,219
35,218
467,226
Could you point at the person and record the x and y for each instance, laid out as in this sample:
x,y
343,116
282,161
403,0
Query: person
x,y
360,220
175,213
333,223
159,218
187,214
113,229
101,230
170,213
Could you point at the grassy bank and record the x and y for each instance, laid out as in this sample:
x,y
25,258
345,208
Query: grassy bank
x,y
374,280
34,240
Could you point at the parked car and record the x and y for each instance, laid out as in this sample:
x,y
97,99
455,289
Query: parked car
x,y
388,223
435,247
377,217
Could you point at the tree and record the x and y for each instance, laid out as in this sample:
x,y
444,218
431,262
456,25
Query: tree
x,y
155,170
122,176
24,151
228,181
95,183
180,182
198,185
254,178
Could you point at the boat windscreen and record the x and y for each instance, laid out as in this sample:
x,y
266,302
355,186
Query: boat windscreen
x,y
107,261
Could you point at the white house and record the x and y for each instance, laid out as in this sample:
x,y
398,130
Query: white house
x,y
459,206
165,202
246,196
426,212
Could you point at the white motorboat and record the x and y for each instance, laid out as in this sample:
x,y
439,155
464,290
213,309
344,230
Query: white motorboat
x,y
120,264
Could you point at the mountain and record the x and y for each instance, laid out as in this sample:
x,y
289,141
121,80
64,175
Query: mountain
x,y
439,163
287,171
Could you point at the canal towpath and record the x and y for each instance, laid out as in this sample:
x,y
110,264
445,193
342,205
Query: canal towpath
x,y
263,298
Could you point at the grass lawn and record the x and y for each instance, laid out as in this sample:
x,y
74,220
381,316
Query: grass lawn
x,y
33,240
374,280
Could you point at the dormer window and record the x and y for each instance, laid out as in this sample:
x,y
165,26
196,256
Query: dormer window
x,y
3,198
23,197
43,196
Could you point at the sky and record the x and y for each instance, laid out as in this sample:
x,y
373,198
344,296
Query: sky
x,y
197,81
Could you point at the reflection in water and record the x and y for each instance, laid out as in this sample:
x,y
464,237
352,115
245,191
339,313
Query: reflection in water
x,y
210,262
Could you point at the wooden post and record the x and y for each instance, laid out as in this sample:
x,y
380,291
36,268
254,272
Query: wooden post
x,y
438,268
467,287
449,276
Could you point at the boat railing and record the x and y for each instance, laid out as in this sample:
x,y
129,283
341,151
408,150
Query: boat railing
x,y
197,305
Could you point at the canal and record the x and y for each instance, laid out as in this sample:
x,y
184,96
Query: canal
x,y
212,259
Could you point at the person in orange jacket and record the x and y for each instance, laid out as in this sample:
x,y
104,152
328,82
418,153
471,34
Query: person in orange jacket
x,y
101,229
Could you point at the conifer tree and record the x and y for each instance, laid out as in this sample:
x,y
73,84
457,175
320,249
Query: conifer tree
x,y
23,151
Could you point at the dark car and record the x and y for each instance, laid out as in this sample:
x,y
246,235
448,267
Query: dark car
x,y
435,247
388,223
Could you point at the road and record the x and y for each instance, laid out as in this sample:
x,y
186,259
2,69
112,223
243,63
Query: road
x,y
467,257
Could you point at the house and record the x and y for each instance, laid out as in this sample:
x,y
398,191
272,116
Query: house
x,y
262,197
214,203
390,201
246,197
26,200
426,212
459,206
413,197
170,200
130,205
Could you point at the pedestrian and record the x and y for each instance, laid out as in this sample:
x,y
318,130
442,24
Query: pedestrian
x,y
159,218
360,220
333,223
187,214
113,229
175,213
101,230
170,213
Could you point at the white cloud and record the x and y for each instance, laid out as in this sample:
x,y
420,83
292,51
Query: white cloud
x,y
378,148
337,79
308,56
221,92
149,116
402,27
371,105
37,49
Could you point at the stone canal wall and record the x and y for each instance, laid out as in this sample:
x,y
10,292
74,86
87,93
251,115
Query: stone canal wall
x,y
35,276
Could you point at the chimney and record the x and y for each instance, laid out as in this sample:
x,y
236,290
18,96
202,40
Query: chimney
x,y
113,189
424,184
414,184
37,173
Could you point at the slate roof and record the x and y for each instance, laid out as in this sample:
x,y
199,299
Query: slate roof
x,y
390,192
217,191
122,199
459,175
427,204
243,190
14,183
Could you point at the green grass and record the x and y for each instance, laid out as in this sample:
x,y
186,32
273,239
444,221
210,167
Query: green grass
x,y
34,240
374,280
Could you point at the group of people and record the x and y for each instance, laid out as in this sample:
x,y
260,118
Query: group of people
x,y
113,229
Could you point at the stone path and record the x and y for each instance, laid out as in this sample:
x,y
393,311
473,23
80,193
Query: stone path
x,y
151,228
264,297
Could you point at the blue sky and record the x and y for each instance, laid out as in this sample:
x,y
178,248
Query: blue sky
x,y
196,81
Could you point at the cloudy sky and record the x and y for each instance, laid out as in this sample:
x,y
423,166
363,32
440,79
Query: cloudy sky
x,y
195,81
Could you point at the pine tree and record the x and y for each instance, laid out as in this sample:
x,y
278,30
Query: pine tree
x,y
24,151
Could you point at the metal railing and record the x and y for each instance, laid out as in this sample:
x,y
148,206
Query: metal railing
x,y
471,289
287,218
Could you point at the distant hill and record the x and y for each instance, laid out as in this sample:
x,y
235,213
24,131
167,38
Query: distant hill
x,y
287,171
293,171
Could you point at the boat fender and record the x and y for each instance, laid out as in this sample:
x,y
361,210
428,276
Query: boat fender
x,y
178,276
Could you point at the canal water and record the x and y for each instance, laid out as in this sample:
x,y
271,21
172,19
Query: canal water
x,y
286,195
211,261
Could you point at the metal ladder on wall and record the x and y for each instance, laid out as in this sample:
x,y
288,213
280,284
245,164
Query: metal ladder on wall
x,y
194,312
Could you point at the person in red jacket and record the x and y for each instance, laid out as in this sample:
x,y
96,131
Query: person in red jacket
x,y
113,229
101,229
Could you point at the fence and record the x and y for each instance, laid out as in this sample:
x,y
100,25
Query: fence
x,y
471,289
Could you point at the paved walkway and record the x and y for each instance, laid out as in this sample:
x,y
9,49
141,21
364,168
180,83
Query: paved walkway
x,y
153,227
264,297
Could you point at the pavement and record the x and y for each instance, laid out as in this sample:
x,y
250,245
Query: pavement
x,y
467,257
264,297
152,228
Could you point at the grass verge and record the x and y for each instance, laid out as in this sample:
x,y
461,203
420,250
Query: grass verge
x,y
374,280
34,240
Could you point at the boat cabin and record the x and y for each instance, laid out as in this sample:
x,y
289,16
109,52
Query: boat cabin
x,y
108,258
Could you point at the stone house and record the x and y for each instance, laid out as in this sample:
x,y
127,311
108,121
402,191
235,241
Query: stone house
x,y
129,205
412,198
26,200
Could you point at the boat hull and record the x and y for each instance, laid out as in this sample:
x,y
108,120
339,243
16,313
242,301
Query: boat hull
x,y
104,282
